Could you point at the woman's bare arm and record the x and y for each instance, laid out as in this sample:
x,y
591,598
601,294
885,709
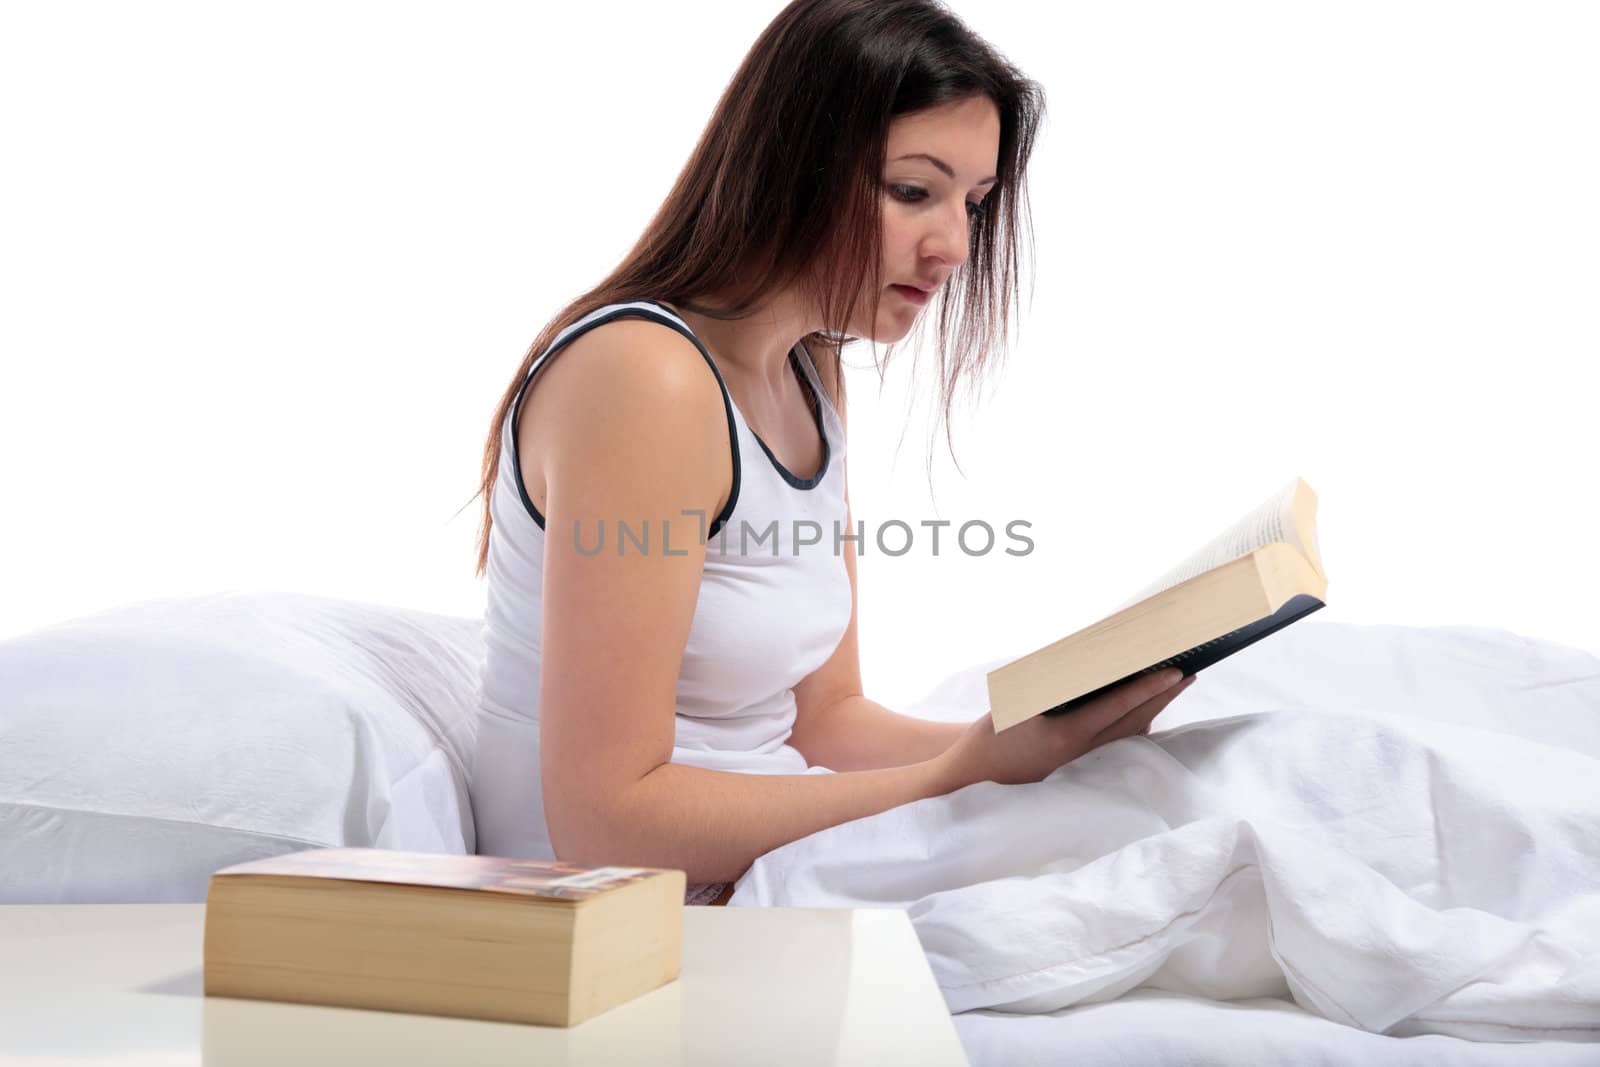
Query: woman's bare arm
x,y
714,824
858,733
640,434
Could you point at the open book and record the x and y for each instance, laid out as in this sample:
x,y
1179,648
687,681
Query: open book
x,y
1254,578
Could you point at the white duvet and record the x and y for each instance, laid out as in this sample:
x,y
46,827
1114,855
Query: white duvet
x,y
1398,828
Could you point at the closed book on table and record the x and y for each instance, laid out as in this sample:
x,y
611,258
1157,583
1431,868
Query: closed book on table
x,y
479,937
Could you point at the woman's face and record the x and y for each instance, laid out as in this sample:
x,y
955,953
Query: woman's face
x,y
940,164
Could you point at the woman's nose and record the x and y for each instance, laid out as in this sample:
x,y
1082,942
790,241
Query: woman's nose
x,y
950,238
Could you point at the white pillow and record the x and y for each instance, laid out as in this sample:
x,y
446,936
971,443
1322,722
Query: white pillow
x,y
144,747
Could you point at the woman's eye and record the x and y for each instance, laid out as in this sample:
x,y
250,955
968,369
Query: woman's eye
x,y
912,194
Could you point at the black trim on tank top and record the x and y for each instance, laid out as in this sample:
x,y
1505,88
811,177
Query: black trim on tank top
x,y
626,313
816,412
816,415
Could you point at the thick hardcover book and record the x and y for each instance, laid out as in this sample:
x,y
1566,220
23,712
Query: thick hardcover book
x,y
474,936
1256,577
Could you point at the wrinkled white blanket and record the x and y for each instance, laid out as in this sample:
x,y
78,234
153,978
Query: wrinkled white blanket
x,y
1403,874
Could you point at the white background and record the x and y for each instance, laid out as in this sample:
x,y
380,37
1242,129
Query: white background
x,y
266,270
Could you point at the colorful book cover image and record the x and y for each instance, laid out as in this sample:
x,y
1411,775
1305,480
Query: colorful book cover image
x,y
551,879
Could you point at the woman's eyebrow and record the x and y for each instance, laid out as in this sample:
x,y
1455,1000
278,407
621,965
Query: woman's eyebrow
x,y
949,171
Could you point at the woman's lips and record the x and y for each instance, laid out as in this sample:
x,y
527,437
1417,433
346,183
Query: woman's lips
x,y
916,296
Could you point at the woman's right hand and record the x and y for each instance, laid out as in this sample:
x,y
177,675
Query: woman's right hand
x,y
1035,747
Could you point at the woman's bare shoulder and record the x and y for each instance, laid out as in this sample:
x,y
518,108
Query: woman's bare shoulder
x,y
627,359
629,380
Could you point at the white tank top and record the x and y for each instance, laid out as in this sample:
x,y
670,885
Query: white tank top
x,y
771,610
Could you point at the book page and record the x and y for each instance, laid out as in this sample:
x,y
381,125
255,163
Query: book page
x,y
1272,521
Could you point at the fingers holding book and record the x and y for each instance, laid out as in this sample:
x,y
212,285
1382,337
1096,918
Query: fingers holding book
x,y
1137,722
1031,750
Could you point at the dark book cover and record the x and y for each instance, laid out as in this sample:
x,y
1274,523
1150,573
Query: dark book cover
x,y
1204,655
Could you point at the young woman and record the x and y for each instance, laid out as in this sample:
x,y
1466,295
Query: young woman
x,y
672,676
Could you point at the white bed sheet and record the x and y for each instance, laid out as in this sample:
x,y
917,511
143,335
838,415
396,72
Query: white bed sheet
x,y
144,747
1155,1028
1315,747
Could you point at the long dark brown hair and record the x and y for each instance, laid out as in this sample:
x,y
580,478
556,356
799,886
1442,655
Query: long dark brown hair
x,y
783,189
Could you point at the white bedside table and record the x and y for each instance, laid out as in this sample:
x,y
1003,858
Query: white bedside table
x,y
121,983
